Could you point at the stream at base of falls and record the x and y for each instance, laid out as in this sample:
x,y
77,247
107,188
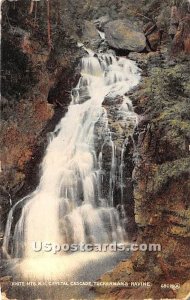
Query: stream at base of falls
x,y
75,287
74,202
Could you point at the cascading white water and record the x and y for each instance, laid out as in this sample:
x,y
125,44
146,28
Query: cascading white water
x,y
67,206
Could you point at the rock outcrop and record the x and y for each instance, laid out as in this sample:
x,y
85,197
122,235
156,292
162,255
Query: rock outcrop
x,y
121,124
181,42
91,36
161,175
122,35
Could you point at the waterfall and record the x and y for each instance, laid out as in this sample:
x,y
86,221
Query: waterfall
x,y
121,167
67,206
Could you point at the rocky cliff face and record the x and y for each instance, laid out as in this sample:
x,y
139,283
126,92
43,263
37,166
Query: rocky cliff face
x,y
37,79
36,84
161,191
161,175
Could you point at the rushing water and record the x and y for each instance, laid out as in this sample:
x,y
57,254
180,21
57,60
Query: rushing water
x,y
68,205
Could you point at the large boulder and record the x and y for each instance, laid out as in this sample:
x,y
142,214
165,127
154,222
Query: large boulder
x,y
123,35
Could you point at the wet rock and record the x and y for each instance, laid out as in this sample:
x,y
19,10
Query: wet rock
x,y
112,100
140,58
90,35
122,35
101,22
5,204
121,125
84,94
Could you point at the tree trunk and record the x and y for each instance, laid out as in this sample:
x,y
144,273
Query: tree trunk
x,y
31,7
49,25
